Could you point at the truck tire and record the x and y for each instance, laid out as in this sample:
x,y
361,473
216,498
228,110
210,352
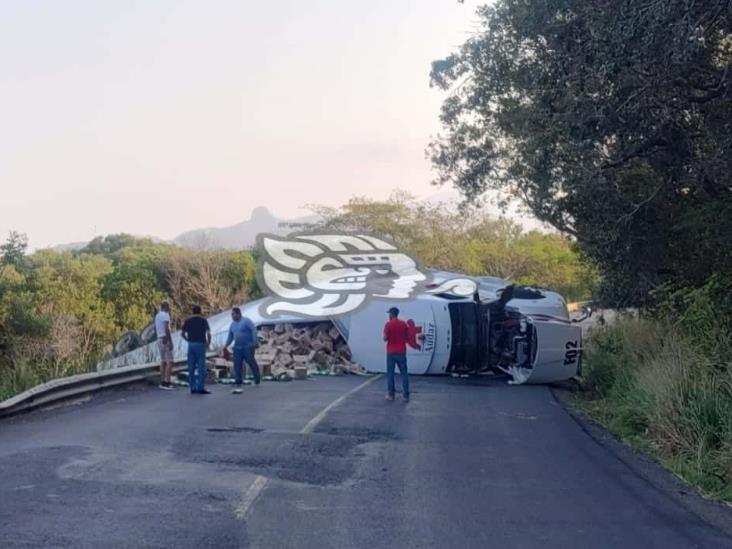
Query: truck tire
x,y
128,342
148,334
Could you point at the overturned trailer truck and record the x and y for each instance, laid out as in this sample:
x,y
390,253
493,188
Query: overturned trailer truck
x,y
523,332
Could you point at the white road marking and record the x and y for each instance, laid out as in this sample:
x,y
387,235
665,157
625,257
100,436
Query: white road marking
x,y
250,496
260,483
313,423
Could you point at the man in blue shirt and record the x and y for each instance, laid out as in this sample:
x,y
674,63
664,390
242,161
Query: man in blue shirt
x,y
244,335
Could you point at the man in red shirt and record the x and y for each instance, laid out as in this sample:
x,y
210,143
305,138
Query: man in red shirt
x,y
396,335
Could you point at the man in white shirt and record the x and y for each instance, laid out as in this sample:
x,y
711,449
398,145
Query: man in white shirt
x,y
165,345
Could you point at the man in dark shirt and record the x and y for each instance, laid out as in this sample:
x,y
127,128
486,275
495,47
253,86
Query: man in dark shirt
x,y
197,333
396,334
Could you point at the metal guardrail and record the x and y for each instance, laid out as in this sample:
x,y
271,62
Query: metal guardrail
x,y
65,388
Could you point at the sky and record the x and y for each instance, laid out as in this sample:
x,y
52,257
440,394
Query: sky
x,y
153,116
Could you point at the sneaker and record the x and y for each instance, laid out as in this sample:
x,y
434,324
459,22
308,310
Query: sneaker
x,y
390,397
165,387
204,392
237,391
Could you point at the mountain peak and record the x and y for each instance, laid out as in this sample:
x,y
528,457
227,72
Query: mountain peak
x,y
241,235
260,214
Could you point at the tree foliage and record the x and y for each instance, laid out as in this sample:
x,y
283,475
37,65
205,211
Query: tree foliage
x,y
60,311
214,279
611,120
467,241
13,250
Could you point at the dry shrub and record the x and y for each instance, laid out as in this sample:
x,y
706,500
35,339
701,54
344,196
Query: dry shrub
x,y
205,278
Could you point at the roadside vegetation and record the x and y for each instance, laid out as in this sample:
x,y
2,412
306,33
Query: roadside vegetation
x,y
60,312
612,122
662,381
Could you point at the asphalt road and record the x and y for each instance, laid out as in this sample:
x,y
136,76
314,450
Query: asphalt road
x,y
467,463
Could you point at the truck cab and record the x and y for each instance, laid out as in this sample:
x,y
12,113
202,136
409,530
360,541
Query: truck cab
x,y
523,332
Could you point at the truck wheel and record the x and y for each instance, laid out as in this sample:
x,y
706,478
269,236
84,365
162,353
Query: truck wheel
x,y
148,334
128,342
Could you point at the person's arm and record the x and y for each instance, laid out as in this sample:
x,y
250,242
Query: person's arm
x,y
208,334
229,339
252,332
386,334
168,335
184,331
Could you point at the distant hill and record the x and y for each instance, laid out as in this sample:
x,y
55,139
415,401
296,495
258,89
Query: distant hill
x,y
241,235
69,247
244,234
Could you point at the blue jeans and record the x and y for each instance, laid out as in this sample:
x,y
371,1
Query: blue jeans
x,y
196,366
242,354
392,360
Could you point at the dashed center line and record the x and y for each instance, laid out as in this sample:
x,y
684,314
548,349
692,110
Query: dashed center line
x,y
250,496
260,483
313,423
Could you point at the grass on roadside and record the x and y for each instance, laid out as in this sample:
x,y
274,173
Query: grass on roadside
x,y
25,374
667,393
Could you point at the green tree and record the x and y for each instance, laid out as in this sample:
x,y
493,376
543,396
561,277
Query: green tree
x,y
67,290
113,243
12,252
468,241
612,121
138,281
393,218
14,318
133,287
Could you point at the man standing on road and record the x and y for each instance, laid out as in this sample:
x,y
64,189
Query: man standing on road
x,y
165,345
244,335
197,333
396,335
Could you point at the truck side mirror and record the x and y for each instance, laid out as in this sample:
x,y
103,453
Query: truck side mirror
x,y
586,313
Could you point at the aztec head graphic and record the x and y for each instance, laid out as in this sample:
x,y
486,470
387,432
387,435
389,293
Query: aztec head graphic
x,y
317,275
